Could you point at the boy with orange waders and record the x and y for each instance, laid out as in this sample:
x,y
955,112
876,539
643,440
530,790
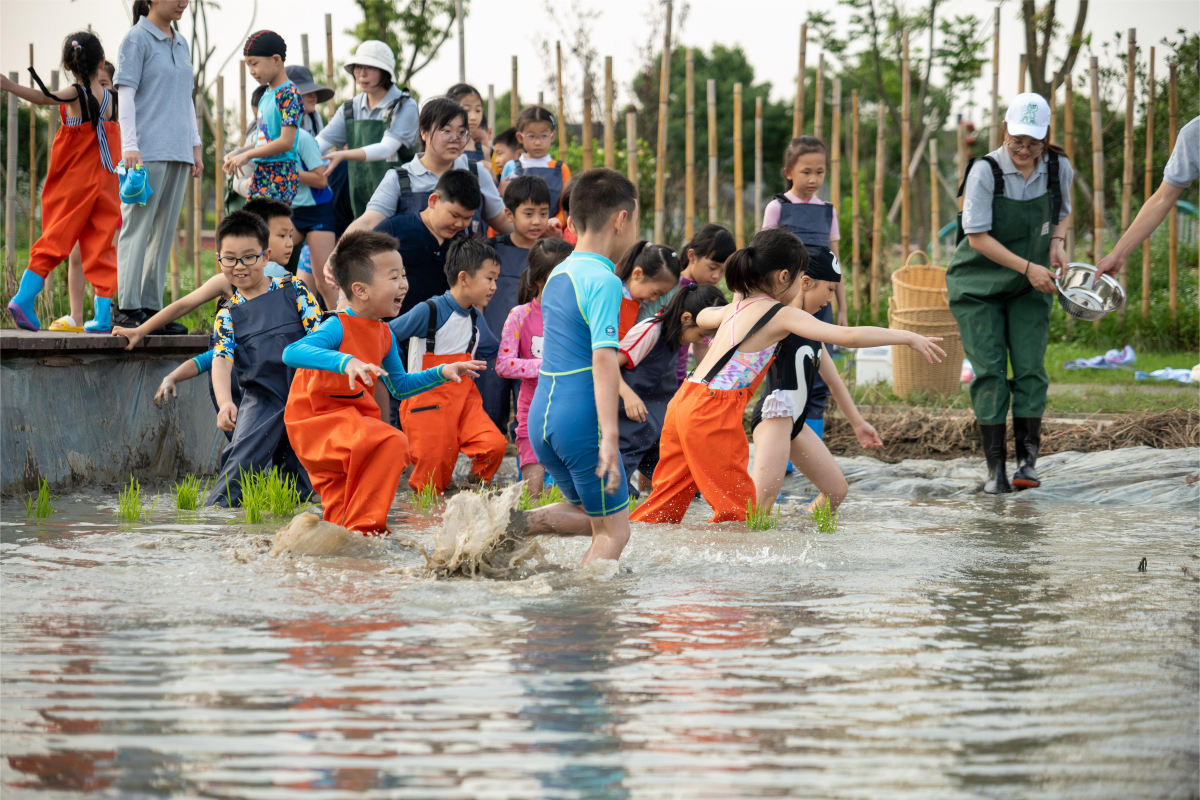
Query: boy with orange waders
x,y
448,329
354,458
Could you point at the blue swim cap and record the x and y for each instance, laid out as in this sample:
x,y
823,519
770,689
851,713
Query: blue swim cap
x,y
135,188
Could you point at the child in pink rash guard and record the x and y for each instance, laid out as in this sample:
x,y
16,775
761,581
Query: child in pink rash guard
x,y
520,355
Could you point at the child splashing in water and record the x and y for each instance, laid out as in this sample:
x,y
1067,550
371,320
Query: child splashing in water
x,y
703,445
647,272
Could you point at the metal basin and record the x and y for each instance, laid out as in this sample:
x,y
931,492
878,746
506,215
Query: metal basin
x,y
1084,297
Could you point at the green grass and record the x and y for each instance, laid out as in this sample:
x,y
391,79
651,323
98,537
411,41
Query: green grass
x,y
129,501
40,505
1060,352
426,498
1100,399
189,493
761,519
824,518
269,494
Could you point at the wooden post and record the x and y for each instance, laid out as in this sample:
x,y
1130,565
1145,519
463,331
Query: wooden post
x,y
491,110
758,163
801,79
1148,187
332,105
33,170
712,150
304,49
562,124
1173,215
1069,146
905,148
1021,75
10,193
514,101
541,98
660,161
198,183
1097,165
855,216
819,99
877,227
962,159
835,150
935,246
739,202
994,135
631,146
242,103
610,127
53,115
462,41
219,137
1127,172
689,151
1054,110
587,123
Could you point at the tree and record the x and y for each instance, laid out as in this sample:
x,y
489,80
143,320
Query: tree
x,y
421,26
1037,54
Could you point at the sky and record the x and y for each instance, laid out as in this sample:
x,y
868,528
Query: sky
x,y
768,31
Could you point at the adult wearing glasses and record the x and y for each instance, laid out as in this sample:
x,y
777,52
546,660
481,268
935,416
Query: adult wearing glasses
x,y
1011,240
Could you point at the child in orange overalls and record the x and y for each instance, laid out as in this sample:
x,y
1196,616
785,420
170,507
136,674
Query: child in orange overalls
x,y
353,458
447,330
81,197
647,272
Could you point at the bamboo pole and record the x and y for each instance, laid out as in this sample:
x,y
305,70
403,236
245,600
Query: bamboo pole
x,y
1148,187
10,193
562,124
756,223
304,49
491,110
935,246
855,215
1021,75
689,151
514,101
332,105
33,173
219,137
1127,171
801,79
819,100
835,150
660,161
994,135
462,41
198,183
739,203
1069,146
1173,215
712,150
962,160
587,123
1097,164
242,103
1054,110
610,128
905,148
53,114
877,227
631,146
541,98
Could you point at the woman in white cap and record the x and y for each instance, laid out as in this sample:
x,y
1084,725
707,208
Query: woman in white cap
x,y
374,126
1011,234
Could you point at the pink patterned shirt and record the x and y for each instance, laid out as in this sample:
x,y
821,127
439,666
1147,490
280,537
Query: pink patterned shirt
x,y
520,353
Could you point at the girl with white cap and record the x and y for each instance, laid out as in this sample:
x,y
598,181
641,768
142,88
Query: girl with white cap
x,y
1011,237
375,126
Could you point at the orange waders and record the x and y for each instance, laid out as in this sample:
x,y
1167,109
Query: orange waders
x,y
445,420
353,458
81,202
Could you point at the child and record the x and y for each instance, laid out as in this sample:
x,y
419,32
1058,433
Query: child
x,y
313,94
576,396
505,148
527,209
278,216
649,354
703,444
355,459
781,414
80,199
520,355
535,132
446,330
264,316
703,262
647,272
563,229
469,98
279,112
313,217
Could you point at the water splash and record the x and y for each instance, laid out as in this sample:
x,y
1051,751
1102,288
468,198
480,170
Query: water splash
x,y
309,535
473,539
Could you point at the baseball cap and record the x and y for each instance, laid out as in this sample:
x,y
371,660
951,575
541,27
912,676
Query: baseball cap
x,y
1028,115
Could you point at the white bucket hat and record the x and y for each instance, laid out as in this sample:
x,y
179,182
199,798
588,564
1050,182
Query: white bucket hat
x,y
1029,115
373,53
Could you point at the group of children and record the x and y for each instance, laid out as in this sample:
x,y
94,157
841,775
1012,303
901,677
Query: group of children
x,y
477,291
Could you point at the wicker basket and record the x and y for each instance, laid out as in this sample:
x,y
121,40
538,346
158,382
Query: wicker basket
x,y
919,285
912,373
922,320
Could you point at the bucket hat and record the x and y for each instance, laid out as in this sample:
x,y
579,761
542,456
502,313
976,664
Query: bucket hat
x,y
303,78
373,53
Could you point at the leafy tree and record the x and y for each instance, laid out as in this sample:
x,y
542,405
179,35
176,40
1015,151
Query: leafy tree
x,y
415,30
1037,53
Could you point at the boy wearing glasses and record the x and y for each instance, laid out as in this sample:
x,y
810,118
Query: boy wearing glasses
x,y
264,316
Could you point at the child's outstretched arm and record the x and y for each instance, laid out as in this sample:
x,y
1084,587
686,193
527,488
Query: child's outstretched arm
x,y
793,320
31,95
214,287
867,437
184,372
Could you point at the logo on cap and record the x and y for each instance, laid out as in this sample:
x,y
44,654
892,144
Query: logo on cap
x,y
837,265
1030,115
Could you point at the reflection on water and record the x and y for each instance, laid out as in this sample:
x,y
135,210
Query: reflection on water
x,y
991,648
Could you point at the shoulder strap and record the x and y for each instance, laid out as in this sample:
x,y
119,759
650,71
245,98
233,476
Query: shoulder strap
x,y
474,331
782,198
966,174
724,359
405,180
519,168
348,110
997,177
1056,198
431,330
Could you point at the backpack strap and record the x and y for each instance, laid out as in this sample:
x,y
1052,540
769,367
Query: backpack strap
x,y
474,330
724,359
782,198
1056,198
405,180
518,168
348,110
997,177
431,330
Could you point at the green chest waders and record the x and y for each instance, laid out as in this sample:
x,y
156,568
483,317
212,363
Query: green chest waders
x,y
1001,317
364,176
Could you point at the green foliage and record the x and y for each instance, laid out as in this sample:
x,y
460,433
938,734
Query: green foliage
x,y
131,506
269,493
414,30
548,497
189,493
40,505
758,519
824,518
426,498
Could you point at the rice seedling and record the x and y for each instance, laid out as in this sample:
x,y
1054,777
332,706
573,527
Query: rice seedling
x,y
189,493
824,518
41,504
426,498
269,493
548,496
759,519
129,501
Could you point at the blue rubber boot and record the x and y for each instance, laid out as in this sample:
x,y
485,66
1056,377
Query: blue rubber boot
x,y
790,468
102,320
21,305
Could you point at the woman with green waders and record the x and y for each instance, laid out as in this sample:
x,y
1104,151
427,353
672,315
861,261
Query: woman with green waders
x,y
378,127
1011,235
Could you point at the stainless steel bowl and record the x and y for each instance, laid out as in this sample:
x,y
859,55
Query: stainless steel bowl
x,y
1084,297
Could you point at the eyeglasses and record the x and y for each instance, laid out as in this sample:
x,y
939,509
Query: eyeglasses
x,y
538,137
231,261
1017,147
452,136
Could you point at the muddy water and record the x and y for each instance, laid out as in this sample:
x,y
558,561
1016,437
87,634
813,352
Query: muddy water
x,y
961,648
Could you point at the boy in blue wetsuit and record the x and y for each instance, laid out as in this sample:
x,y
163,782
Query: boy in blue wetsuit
x,y
573,418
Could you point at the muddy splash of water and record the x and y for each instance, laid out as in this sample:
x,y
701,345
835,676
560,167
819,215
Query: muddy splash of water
x,y
309,535
473,539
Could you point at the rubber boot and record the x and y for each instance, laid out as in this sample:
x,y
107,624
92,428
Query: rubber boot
x,y
1027,432
21,304
101,322
993,437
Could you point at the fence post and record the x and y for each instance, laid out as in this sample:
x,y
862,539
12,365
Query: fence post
x,y
1148,188
689,151
219,136
631,146
877,227
935,246
562,122
199,209
1173,216
514,100
331,107
712,149
610,127
10,194
801,78
905,150
739,205
756,223
304,50
660,162
587,123
819,99
994,135
855,216
1127,166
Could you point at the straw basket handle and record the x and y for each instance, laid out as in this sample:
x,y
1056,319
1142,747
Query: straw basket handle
x,y
922,254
